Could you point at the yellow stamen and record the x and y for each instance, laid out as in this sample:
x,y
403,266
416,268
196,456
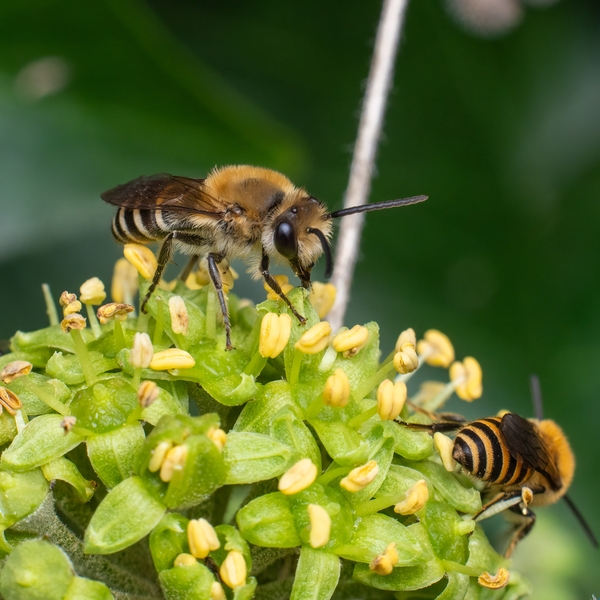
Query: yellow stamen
x,y
445,447
75,321
92,291
72,308
336,392
320,526
349,342
173,358
179,315
142,258
322,297
174,461
184,560
390,399
10,401
158,456
406,361
436,349
360,477
415,499
274,334
383,564
494,582
467,379
142,351
217,592
66,298
315,339
15,369
113,310
218,437
298,477
202,538
408,336
124,283
233,571
147,393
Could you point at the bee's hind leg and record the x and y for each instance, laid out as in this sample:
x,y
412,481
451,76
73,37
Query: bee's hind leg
x,y
189,268
528,521
215,276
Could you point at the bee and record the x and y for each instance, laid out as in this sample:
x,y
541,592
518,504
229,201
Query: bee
x,y
236,212
522,462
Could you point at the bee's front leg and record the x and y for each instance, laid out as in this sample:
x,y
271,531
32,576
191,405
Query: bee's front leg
x,y
215,276
272,283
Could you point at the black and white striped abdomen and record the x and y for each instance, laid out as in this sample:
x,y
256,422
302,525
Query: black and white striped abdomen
x,y
481,450
139,226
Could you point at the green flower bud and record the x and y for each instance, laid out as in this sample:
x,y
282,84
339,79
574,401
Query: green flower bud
x,y
245,592
268,521
32,388
231,539
443,526
194,581
67,367
113,454
36,569
8,428
65,470
251,457
306,584
42,440
168,540
345,445
126,515
49,337
104,406
80,587
411,444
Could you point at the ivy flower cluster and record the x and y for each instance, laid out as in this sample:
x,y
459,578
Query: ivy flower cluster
x,y
143,460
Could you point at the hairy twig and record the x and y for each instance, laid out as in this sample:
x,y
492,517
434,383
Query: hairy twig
x,y
363,159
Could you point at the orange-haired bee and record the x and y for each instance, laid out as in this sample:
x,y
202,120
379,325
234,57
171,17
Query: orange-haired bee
x,y
244,212
523,462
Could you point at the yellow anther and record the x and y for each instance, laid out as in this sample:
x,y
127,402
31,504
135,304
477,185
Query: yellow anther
x,y
284,284
336,392
349,342
233,571
202,274
315,339
466,377
390,399
360,477
202,538
408,336
68,423
427,391
72,308
274,334
142,258
298,477
124,283
217,592
192,283
66,298
436,349
147,393
75,321
406,361
173,461
113,310
179,315
445,447
173,358
384,563
142,351
158,455
184,560
414,500
218,437
322,297
494,582
92,291
10,401
15,369
320,526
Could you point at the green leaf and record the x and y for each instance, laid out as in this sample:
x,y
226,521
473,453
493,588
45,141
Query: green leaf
x,y
32,386
126,515
67,367
80,588
317,575
42,440
65,470
443,526
186,582
168,540
251,457
345,445
401,579
231,539
20,495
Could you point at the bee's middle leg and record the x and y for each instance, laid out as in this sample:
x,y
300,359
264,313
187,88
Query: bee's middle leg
x,y
215,276
164,256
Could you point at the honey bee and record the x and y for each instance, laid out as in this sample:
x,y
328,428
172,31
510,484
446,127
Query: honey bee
x,y
236,212
512,455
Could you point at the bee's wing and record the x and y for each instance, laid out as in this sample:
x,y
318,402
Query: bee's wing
x,y
523,441
165,192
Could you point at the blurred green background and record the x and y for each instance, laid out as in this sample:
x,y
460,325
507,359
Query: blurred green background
x,y
502,132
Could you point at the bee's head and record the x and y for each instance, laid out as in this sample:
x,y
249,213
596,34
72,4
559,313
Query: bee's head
x,y
299,233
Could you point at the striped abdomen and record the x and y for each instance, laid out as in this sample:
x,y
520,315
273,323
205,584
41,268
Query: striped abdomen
x,y
139,226
481,450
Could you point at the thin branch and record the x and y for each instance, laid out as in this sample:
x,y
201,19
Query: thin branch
x,y
363,159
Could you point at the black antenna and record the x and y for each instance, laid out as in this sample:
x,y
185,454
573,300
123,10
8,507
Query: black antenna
x,y
326,250
536,396
344,212
582,521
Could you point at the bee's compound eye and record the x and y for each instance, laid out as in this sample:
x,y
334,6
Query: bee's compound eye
x,y
285,240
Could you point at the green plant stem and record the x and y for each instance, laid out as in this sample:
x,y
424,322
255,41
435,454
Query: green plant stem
x,y
93,319
373,506
360,419
119,336
48,399
256,365
160,322
329,476
315,407
383,373
450,565
50,306
137,376
84,357
295,368
439,399
142,322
